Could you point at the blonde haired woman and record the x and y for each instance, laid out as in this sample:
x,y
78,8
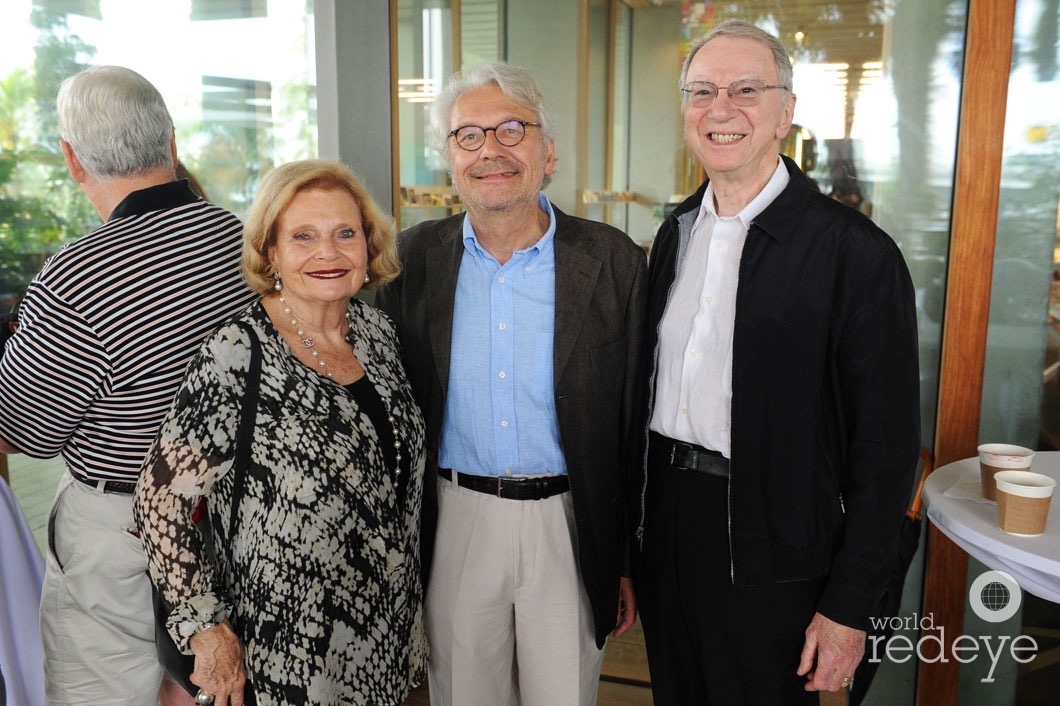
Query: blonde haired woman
x,y
316,596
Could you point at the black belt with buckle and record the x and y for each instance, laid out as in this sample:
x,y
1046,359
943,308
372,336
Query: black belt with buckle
x,y
518,488
684,456
115,487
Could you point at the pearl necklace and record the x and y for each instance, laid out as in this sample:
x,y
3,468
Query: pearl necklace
x,y
397,441
309,344
306,340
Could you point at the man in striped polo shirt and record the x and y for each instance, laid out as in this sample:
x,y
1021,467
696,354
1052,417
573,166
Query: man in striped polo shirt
x,y
106,330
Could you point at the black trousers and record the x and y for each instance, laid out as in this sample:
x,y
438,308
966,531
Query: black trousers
x,y
711,643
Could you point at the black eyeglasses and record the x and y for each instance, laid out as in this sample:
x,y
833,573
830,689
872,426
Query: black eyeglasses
x,y
509,133
748,92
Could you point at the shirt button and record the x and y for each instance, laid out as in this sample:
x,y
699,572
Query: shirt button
x,y
501,279
708,301
528,268
684,411
504,423
719,245
695,352
502,375
502,326
507,471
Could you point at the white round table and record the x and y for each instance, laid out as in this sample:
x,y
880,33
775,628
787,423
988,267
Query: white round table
x,y
972,525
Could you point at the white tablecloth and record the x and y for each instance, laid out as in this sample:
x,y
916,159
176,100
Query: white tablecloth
x,y
972,525
21,576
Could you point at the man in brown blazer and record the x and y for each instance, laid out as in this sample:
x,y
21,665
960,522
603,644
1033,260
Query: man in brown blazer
x,y
521,329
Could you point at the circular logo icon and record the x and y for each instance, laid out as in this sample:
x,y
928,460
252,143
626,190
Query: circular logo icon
x,y
995,596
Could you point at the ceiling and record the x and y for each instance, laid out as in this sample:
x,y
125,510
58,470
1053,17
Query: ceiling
x,y
840,31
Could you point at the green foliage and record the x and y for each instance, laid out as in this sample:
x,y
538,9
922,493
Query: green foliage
x,y
232,165
41,208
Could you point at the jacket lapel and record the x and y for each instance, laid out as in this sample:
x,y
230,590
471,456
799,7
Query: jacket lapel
x,y
443,266
576,274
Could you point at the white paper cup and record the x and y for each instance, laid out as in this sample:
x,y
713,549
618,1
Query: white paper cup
x,y
1000,457
1023,500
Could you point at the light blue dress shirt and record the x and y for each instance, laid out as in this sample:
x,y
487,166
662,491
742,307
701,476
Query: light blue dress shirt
x,y
500,411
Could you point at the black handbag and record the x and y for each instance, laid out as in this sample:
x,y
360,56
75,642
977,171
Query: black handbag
x,y
178,665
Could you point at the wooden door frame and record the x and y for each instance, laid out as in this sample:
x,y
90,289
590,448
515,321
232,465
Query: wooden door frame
x,y
987,63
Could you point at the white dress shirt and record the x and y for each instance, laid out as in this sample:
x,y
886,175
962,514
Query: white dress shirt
x,y
694,389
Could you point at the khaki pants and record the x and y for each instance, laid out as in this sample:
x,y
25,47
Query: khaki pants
x,y
508,619
97,623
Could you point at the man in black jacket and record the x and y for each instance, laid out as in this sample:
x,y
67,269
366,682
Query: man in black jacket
x,y
521,329
780,395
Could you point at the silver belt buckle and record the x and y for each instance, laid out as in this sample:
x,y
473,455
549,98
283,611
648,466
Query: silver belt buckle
x,y
499,479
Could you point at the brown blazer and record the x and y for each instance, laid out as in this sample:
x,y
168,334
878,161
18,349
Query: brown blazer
x,y
600,300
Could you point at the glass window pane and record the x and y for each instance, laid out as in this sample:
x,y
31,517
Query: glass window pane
x,y
237,110
481,32
1021,384
425,60
1020,404
604,195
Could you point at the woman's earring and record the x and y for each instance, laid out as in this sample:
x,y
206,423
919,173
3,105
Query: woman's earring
x,y
367,278
278,285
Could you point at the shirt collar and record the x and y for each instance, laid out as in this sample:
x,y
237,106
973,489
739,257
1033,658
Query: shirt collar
x,y
154,198
544,244
769,192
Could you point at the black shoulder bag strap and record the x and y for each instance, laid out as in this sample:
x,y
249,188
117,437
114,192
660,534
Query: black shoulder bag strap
x,y
177,664
245,432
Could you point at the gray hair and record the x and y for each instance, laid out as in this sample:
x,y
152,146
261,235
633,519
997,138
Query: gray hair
x,y
744,30
515,82
115,121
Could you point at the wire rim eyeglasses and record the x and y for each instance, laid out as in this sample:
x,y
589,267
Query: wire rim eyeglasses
x,y
509,134
701,94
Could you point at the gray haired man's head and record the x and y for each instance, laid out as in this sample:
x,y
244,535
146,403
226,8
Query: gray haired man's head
x,y
739,29
115,121
516,83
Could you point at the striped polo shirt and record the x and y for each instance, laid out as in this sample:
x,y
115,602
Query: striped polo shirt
x,y
108,326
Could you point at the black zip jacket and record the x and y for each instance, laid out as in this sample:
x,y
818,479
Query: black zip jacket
x,y
825,395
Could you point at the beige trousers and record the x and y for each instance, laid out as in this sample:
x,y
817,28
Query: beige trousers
x,y
97,623
508,619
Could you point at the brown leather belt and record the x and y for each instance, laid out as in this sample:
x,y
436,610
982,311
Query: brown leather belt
x,y
684,456
517,488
